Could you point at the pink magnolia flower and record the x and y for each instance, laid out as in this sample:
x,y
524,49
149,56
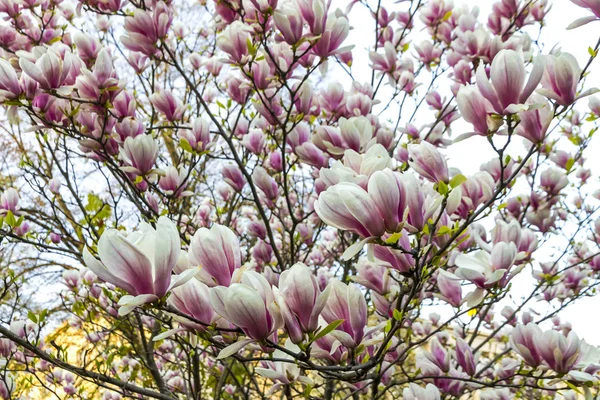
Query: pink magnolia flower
x,y
139,153
249,305
372,276
428,162
217,252
301,300
416,392
9,81
387,61
347,206
88,47
289,22
475,109
450,289
536,121
145,28
477,268
561,78
199,136
234,177
314,13
594,105
174,182
265,183
593,6
465,357
347,303
140,263
389,195
192,298
50,70
336,31
560,352
234,41
54,185
508,91
254,141
524,339
168,104
9,201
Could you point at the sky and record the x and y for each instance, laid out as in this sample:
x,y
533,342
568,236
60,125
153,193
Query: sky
x,y
470,154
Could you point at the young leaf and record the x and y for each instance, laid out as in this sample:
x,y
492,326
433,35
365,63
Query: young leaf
x,y
329,328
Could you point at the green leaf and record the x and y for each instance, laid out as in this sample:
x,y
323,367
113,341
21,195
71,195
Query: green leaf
x,y
251,48
388,326
569,164
397,315
10,219
394,238
592,52
442,188
329,328
43,315
457,180
185,145
444,230
32,316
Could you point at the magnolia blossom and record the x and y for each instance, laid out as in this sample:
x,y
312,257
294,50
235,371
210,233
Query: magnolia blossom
x,y
301,299
347,303
347,206
508,90
249,305
416,392
428,162
50,69
561,78
140,263
478,270
217,252
140,153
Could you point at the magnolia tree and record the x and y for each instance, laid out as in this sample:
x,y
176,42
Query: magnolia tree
x,y
207,200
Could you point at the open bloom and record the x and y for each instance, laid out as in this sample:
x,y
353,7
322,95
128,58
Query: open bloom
x,y
192,298
561,78
249,305
560,352
593,6
347,206
303,297
428,161
508,91
217,252
449,288
347,303
523,340
9,81
140,263
50,70
535,122
416,392
477,269
168,104
234,41
140,153
474,108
